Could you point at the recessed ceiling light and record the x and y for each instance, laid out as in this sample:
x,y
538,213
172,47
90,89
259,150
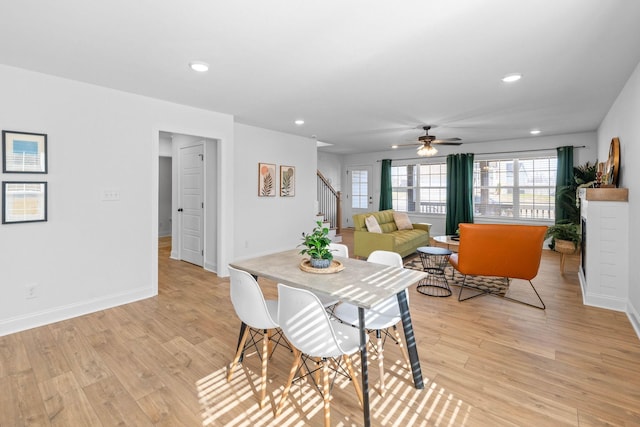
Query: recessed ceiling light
x,y
394,146
534,131
199,66
299,122
510,78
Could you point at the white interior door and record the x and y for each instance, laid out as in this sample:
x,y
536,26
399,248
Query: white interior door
x,y
191,204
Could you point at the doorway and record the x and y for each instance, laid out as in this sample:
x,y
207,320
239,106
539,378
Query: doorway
x,y
193,182
360,189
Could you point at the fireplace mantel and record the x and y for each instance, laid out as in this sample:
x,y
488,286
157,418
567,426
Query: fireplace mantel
x,y
604,266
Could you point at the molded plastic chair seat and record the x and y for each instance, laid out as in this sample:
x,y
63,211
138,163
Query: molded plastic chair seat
x,y
314,336
260,317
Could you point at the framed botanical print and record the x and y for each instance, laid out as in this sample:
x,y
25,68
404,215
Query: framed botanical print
x,y
24,152
266,180
287,181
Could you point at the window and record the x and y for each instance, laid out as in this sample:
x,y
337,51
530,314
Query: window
x,y
359,189
511,188
518,188
420,188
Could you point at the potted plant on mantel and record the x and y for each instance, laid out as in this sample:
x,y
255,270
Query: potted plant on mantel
x,y
317,246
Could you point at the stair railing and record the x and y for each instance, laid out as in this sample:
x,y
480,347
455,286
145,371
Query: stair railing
x,y
329,203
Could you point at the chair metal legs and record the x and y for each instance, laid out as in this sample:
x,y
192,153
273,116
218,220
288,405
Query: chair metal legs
x,y
481,292
325,387
267,350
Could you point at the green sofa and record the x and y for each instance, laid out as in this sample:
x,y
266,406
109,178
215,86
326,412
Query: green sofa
x,y
404,242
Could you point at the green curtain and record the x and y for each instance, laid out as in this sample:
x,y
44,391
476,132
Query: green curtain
x,y
386,200
564,178
459,191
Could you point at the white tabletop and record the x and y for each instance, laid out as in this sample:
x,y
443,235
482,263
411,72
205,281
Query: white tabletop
x,y
362,283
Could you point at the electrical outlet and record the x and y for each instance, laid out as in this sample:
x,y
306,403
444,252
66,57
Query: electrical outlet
x,y
111,195
31,291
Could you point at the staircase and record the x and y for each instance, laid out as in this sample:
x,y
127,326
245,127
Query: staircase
x,y
330,212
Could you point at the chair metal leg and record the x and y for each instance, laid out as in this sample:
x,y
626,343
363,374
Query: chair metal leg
x,y
481,292
462,286
527,303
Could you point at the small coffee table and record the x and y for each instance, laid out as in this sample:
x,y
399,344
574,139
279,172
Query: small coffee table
x,y
452,241
434,260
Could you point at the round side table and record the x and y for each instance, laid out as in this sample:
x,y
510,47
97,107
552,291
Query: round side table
x,y
434,260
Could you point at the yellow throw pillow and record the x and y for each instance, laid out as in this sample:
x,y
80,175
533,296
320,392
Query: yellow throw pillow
x,y
402,221
372,224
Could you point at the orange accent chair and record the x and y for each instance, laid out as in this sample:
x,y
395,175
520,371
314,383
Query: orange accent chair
x,y
502,250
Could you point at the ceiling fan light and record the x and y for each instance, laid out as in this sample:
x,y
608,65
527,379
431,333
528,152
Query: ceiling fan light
x,y
510,78
199,66
427,151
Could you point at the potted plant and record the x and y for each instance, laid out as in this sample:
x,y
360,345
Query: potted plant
x,y
565,238
316,246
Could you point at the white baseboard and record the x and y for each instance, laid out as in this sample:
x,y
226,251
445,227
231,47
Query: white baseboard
x,y
57,314
634,318
598,300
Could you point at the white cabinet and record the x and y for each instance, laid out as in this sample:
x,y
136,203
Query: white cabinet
x,y
604,264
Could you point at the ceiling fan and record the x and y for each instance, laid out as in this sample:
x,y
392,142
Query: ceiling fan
x,y
425,141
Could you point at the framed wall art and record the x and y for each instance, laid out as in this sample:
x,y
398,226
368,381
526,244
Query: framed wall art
x,y
266,180
24,152
287,181
24,201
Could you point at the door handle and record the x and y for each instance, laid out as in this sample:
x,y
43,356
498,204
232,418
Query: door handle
x,y
179,209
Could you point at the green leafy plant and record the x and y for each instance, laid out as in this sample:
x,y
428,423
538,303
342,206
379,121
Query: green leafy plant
x,y
317,243
570,232
567,197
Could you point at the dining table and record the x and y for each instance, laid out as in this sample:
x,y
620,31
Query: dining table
x,y
358,282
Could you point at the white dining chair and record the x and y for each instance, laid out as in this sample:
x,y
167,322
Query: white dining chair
x,y
261,319
379,318
338,249
317,338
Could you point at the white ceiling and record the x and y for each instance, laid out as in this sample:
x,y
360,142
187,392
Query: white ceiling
x,y
362,74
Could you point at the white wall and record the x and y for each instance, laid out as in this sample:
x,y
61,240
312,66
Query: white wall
x,y
93,254
269,224
330,165
581,156
622,121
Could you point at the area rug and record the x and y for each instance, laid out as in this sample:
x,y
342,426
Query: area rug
x,y
492,285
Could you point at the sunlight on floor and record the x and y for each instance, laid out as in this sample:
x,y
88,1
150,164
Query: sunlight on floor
x,y
235,403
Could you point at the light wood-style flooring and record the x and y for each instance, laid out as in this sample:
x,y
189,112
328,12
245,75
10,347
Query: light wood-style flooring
x,y
486,362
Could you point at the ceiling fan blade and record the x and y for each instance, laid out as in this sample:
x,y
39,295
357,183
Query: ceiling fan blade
x,y
414,144
448,139
445,142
